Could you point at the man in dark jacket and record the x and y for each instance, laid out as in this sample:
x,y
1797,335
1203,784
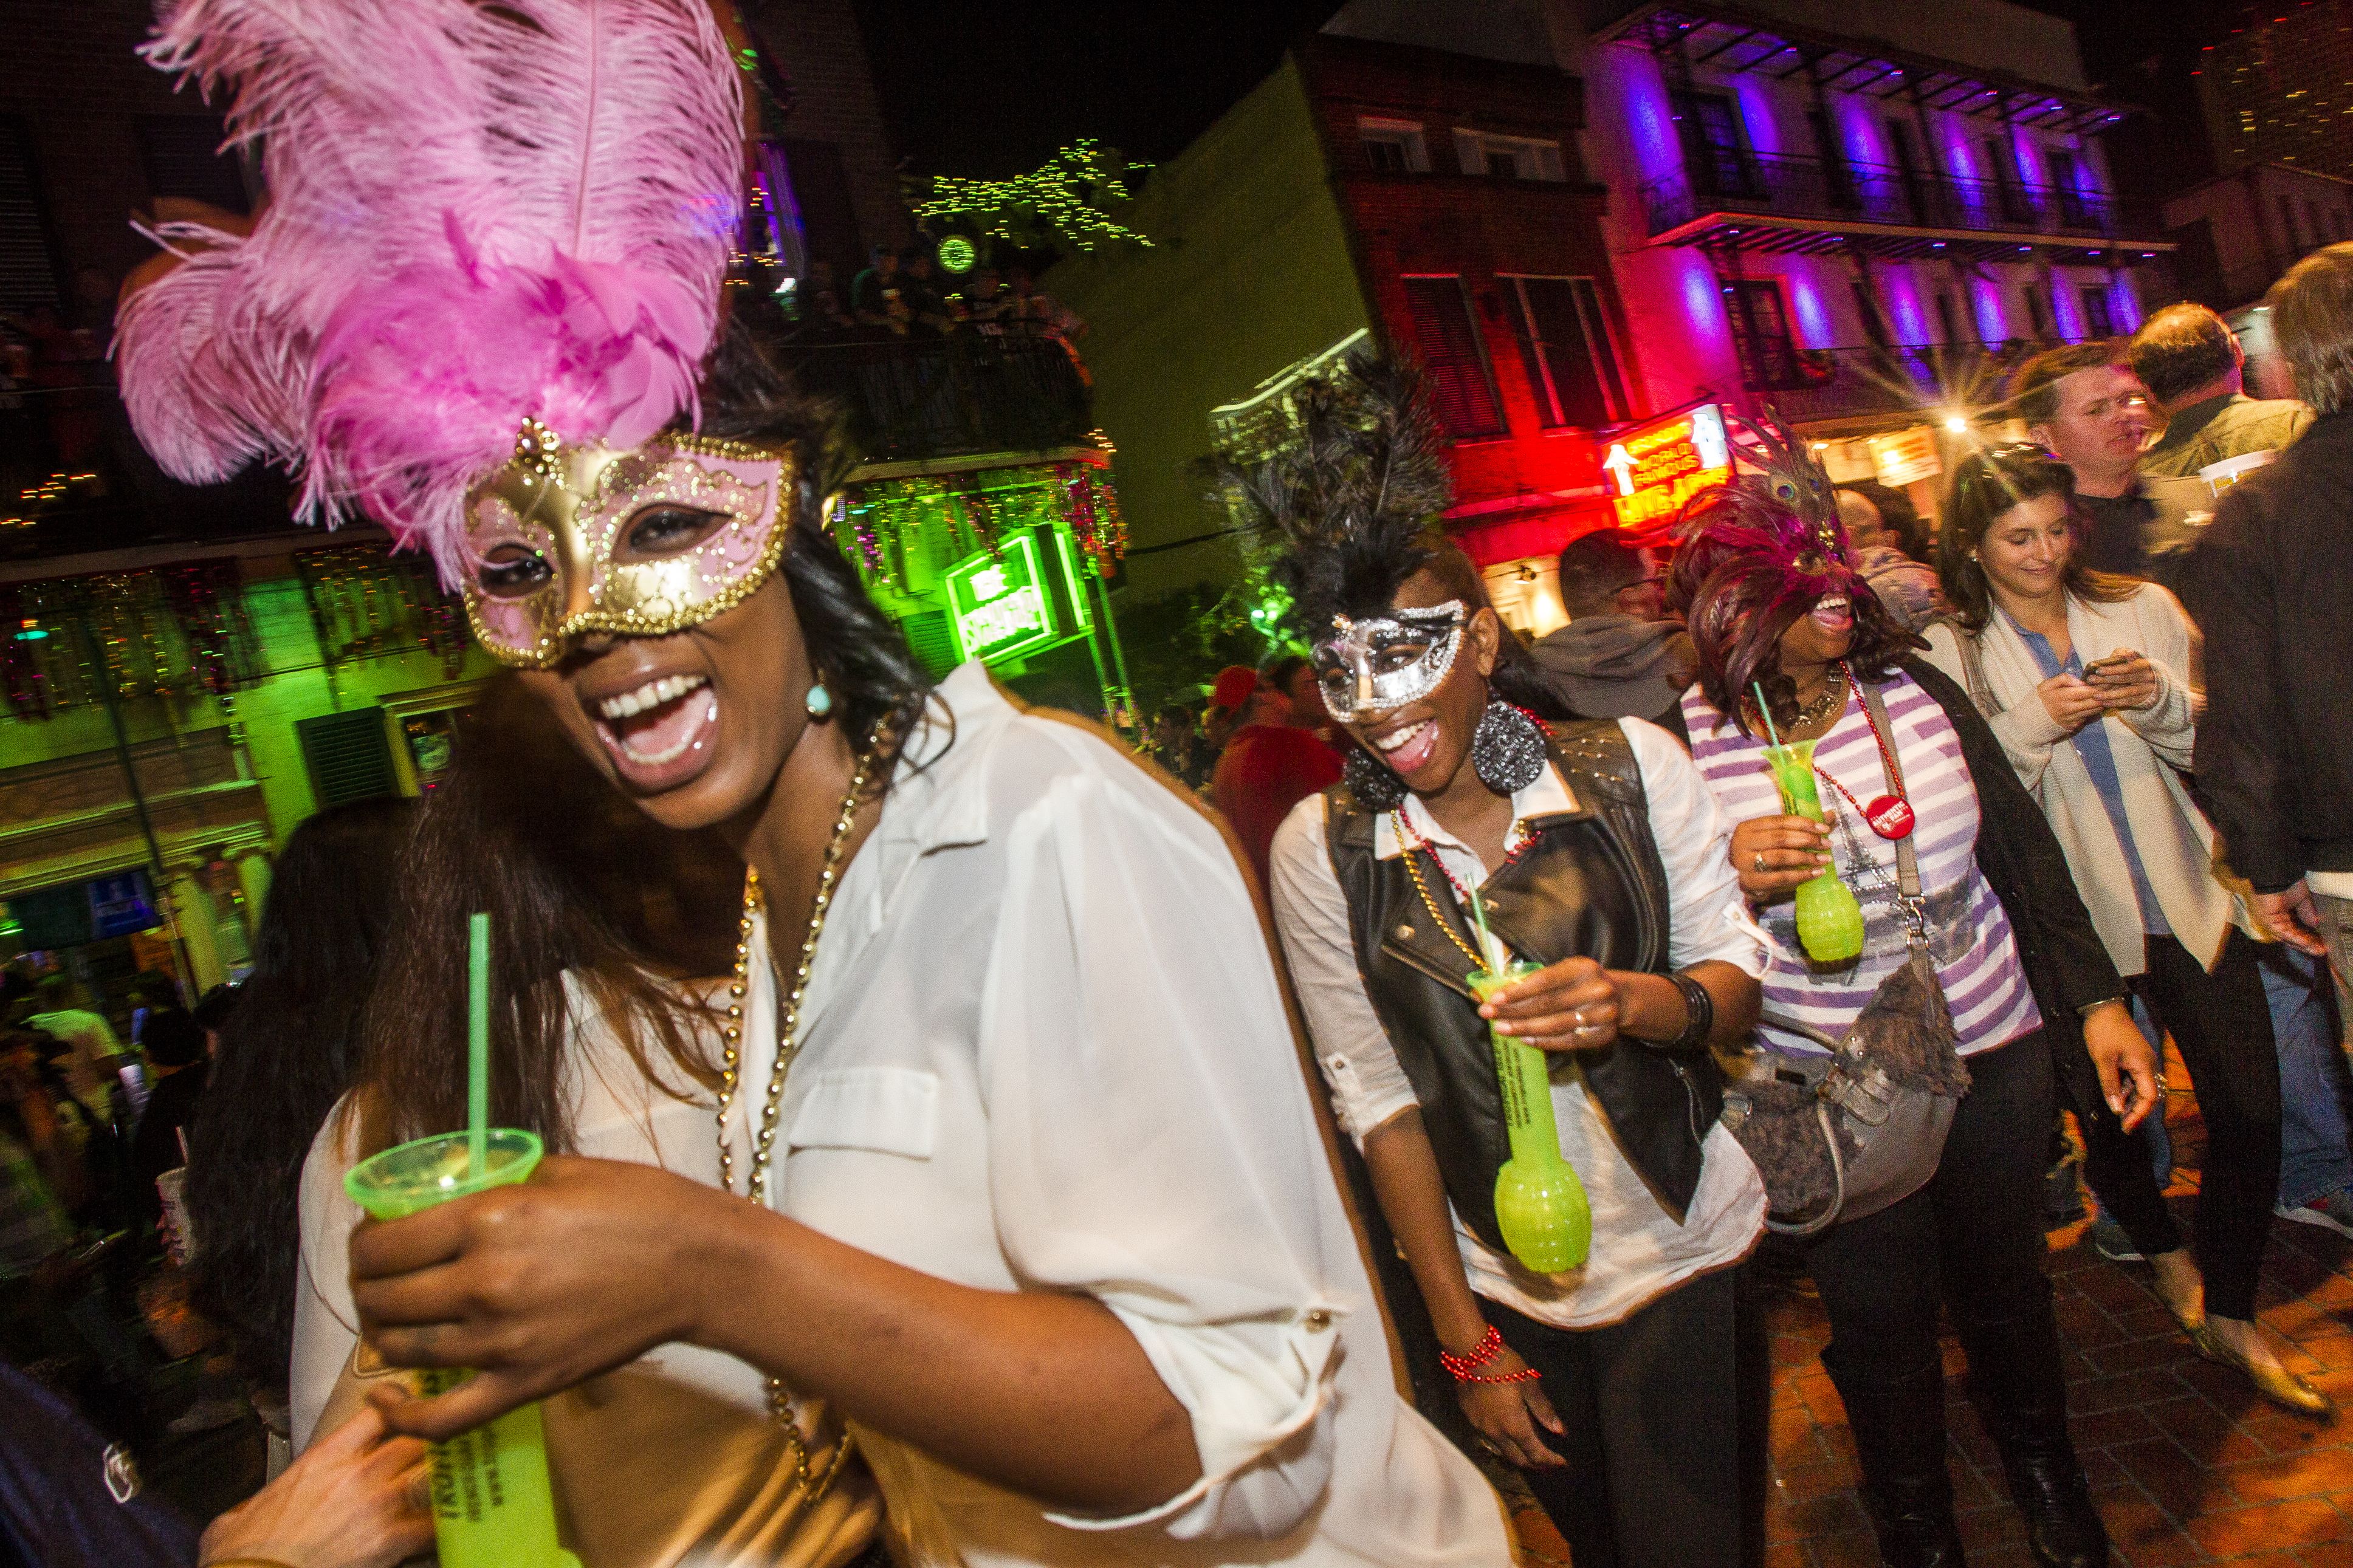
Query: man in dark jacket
x,y
2272,588
1621,656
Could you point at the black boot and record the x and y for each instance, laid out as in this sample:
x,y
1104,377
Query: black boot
x,y
1899,1436
2021,1387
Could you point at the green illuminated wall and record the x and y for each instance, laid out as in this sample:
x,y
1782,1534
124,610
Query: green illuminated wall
x,y
299,687
1250,271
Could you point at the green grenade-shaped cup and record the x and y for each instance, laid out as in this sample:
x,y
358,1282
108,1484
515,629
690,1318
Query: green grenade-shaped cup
x,y
1830,922
1540,1205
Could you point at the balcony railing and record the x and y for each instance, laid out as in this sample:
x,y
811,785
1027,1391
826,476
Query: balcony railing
x,y
912,398
1768,185
1808,384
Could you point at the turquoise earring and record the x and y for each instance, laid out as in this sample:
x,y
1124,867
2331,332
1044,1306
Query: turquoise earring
x,y
820,701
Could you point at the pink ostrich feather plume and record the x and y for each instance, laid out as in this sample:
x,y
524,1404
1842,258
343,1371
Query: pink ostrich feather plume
x,y
475,214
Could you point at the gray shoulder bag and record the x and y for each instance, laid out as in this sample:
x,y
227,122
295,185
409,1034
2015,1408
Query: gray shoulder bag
x,y
1841,1136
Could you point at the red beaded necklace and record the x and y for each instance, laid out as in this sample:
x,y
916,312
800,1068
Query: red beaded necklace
x,y
1890,815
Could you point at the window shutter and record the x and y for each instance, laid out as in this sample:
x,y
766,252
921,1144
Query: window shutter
x,y
28,270
348,756
1448,340
930,640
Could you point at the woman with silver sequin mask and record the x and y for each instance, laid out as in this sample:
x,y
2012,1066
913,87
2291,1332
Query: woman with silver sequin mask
x,y
1598,855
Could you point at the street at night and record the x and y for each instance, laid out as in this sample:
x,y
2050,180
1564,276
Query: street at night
x,y
814,784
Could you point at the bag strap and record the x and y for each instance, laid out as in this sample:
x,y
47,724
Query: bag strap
x,y
1973,673
1907,863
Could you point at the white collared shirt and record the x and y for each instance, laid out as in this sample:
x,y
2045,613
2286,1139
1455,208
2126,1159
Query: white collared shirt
x,y
1044,1049
1638,1251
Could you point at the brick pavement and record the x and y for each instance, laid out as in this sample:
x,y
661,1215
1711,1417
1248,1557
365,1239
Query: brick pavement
x,y
2187,1465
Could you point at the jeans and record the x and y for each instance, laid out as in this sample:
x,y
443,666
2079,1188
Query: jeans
x,y
2314,1159
2336,925
1652,1479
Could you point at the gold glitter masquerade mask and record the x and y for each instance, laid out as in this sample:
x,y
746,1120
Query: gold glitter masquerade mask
x,y
641,541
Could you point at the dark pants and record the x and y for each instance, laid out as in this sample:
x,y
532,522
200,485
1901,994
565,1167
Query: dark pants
x,y
1972,1238
2222,1022
1652,1475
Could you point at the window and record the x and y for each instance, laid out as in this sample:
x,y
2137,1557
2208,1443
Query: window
x,y
1715,149
1393,146
2038,312
1565,343
1508,157
182,158
1453,355
1872,314
1948,318
1761,336
1838,180
27,268
2002,167
348,756
2099,315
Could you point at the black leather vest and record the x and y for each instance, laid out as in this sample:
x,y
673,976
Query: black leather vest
x,y
1592,885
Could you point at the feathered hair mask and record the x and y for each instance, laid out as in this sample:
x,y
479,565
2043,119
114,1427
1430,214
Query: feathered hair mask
x,y
476,215
1758,554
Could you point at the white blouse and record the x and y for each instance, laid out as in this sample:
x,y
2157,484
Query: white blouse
x,y
1044,1049
1640,1251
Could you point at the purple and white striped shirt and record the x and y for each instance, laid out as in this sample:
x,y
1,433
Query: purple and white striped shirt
x,y
1975,952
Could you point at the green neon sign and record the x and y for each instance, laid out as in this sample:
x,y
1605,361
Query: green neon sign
x,y
998,606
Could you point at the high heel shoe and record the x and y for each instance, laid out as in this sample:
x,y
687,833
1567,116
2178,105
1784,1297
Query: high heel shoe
x,y
2276,1383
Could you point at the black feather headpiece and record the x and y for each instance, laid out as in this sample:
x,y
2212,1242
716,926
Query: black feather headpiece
x,y
1352,501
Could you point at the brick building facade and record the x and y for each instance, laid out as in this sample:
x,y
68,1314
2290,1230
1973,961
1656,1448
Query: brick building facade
x,y
1477,237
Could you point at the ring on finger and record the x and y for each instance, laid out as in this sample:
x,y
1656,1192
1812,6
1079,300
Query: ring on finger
x,y
1760,861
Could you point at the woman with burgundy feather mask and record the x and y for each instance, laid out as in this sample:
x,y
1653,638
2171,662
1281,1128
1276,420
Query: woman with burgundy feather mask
x,y
1794,645
1598,855
1000,1158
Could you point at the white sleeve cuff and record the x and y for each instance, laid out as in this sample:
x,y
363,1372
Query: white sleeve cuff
x,y
1254,1392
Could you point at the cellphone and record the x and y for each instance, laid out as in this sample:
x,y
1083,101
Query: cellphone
x,y
2099,666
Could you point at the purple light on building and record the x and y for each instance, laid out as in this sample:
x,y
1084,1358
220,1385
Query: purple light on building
x,y
1650,121
1756,115
1993,322
1813,319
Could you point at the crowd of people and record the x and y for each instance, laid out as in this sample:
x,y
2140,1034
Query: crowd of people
x,y
934,1170
2094,668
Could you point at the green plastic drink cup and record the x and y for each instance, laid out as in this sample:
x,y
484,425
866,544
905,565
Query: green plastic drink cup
x,y
1830,920
492,1505
1540,1205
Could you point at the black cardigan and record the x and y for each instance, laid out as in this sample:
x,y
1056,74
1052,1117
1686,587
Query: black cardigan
x,y
2067,966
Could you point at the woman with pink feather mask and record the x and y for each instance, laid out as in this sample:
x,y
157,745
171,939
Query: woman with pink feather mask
x,y
1031,1197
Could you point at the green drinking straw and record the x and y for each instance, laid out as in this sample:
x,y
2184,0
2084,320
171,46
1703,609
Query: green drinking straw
x,y
1486,937
1766,714
477,1040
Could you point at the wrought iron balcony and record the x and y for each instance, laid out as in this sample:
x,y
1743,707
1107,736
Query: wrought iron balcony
x,y
1767,187
1806,386
909,399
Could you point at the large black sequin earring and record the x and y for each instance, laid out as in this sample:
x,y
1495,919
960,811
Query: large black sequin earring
x,y
1507,750
1375,787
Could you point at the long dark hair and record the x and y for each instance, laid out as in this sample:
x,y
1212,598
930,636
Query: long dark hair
x,y
1986,486
288,1052
1748,568
575,879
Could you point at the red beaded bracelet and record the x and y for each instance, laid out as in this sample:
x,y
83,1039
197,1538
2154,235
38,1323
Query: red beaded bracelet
x,y
1465,1368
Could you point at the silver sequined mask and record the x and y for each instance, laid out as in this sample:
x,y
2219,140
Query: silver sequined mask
x,y
1384,662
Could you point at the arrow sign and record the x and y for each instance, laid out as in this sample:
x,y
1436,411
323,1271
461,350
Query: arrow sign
x,y
1622,467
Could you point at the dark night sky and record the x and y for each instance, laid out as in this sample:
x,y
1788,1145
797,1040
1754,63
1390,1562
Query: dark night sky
x,y
993,89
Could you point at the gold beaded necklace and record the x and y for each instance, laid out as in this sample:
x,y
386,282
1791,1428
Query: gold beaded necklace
x,y
787,1046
